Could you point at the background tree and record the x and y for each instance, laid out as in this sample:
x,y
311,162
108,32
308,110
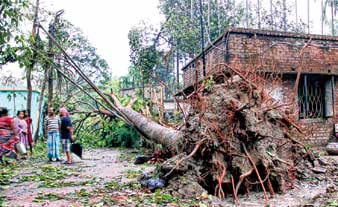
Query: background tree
x,y
10,19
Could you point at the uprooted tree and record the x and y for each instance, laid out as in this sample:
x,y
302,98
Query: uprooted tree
x,y
236,137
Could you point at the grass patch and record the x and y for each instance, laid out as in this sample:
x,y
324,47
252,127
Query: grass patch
x,y
125,156
52,177
332,203
2,200
62,184
44,197
131,174
40,150
7,173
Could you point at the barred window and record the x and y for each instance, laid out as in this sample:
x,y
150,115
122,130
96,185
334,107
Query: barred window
x,y
315,96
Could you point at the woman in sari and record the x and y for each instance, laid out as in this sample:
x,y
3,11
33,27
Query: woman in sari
x,y
8,137
21,127
28,120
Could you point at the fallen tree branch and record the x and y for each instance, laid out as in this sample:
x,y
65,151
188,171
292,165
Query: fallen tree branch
x,y
72,63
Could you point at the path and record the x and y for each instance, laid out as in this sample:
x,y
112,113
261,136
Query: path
x,y
39,183
108,178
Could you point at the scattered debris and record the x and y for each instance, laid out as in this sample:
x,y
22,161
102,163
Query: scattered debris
x,y
140,159
152,183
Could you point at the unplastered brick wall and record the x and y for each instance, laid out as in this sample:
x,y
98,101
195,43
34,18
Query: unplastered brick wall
x,y
214,55
316,131
285,54
267,51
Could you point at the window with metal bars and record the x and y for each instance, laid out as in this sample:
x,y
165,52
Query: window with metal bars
x,y
315,96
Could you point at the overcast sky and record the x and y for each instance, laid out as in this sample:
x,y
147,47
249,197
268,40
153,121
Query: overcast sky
x,y
106,24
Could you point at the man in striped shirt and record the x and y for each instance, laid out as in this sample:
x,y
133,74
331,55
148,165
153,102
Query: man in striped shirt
x,y
52,131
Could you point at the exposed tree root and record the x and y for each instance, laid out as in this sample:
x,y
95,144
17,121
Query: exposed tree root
x,y
257,172
238,139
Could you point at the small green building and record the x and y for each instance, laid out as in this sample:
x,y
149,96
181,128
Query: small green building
x,y
15,99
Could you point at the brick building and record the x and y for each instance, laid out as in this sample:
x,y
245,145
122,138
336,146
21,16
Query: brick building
x,y
275,52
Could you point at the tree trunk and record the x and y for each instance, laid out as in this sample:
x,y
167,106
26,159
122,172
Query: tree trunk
x,y
29,88
322,17
177,70
247,13
191,9
308,16
33,61
284,16
271,14
43,87
209,12
202,36
296,11
332,17
219,17
148,128
155,132
259,13
143,89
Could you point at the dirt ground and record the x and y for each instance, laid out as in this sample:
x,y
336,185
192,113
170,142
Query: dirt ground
x,y
42,183
108,177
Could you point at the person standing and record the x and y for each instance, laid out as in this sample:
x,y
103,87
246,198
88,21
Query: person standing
x,y
28,120
67,135
8,137
52,127
21,129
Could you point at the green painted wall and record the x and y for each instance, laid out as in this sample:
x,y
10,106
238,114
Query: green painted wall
x,y
15,99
